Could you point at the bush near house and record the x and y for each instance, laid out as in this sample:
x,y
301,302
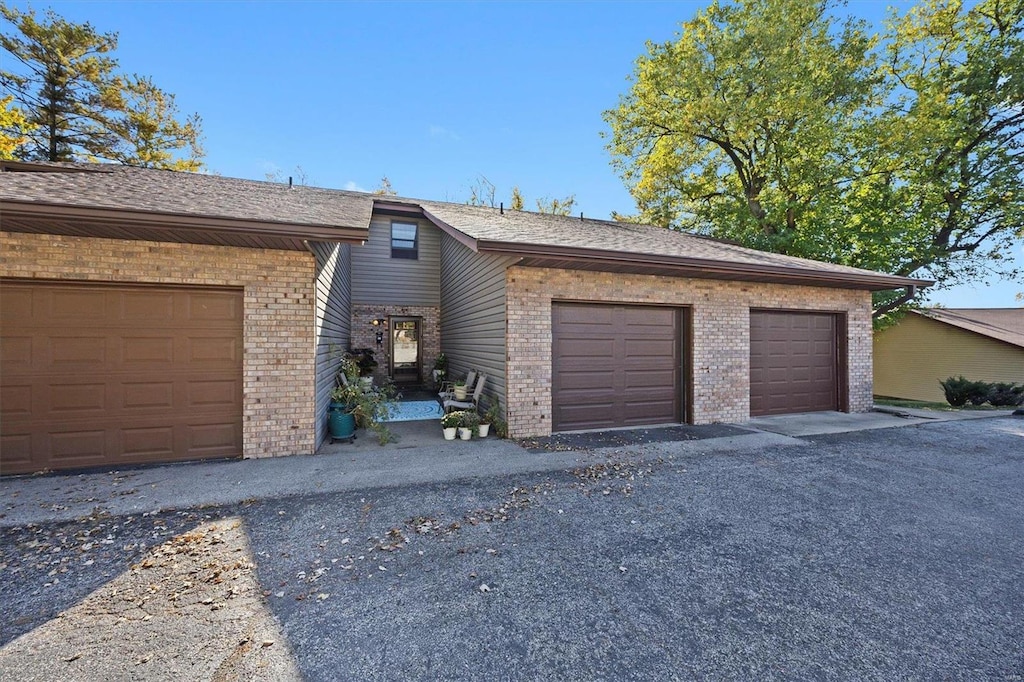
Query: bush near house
x,y
960,391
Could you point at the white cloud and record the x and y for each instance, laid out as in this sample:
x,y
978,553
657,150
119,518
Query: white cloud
x,y
351,186
441,131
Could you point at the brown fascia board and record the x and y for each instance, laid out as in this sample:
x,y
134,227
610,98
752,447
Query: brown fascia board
x,y
40,211
705,268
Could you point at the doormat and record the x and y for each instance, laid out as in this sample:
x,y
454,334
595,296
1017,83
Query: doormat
x,y
415,410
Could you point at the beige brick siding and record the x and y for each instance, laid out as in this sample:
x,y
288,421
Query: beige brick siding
x,y
364,334
720,312
279,354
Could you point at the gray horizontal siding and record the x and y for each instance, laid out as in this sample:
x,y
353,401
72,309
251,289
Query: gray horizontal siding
x,y
377,278
333,322
473,313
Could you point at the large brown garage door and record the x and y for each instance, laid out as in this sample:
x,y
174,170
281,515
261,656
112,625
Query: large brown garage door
x,y
615,365
94,374
793,362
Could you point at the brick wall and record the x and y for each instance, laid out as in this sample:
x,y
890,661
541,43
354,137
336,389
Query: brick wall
x,y
279,359
721,335
364,334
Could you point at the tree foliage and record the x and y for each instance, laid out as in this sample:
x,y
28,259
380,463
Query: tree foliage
x,y
13,128
77,104
776,124
483,192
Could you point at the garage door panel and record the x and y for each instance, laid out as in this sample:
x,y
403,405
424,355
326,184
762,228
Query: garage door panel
x,y
211,393
118,374
74,304
614,365
146,306
214,307
75,350
793,362
147,444
147,349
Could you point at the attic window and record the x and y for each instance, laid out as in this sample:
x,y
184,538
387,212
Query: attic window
x,y
404,240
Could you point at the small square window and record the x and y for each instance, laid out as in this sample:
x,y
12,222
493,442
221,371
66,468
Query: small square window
x,y
403,240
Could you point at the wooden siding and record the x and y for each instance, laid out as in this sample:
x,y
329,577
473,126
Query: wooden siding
x,y
914,355
473,314
333,322
377,278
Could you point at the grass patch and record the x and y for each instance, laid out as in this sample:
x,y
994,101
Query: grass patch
x,y
921,404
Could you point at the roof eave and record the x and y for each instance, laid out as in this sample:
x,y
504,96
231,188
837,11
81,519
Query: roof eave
x,y
40,212
598,259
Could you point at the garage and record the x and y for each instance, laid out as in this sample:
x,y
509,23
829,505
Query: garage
x,y
109,375
794,362
615,365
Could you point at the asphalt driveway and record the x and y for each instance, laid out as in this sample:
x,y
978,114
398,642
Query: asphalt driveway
x,y
888,554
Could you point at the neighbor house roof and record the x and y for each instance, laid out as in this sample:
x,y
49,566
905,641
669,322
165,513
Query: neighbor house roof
x,y
106,200
1004,324
136,203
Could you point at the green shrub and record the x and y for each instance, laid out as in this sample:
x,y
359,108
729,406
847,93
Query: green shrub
x,y
1002,394
959,391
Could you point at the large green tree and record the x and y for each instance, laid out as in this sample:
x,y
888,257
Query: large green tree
x,y
774,123
80,107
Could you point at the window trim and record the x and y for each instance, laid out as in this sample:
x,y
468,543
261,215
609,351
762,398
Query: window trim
x,y
408,252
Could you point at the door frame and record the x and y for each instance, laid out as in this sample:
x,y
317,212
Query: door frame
x,y
392,321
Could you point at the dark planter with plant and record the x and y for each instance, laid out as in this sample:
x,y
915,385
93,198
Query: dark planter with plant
x,y
354,405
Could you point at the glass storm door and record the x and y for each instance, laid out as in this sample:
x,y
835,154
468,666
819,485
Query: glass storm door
x,y
405,350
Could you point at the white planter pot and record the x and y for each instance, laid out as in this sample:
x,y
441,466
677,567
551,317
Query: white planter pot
x,y
484,429
460,392
366,383
465,434
449,434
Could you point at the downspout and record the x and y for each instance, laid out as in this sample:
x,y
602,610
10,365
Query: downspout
x,y
893,305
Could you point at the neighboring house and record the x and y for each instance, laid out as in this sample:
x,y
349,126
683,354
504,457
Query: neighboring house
x,y
928,346
148,315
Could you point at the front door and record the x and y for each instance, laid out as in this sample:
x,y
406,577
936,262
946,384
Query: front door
x,y
405,350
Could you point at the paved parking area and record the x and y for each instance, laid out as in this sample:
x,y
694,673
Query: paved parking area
x,y
883,554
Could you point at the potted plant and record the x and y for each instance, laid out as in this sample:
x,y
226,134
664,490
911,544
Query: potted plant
x,y
468,423
450,424
440,368
365,363
355,406
460,389
491,416
496,418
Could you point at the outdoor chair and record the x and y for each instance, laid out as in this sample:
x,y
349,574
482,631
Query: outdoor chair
x,y
471,402
448,387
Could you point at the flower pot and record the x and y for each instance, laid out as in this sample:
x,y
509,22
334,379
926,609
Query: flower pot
x,y
340,424
460,392
483,430
366,383
449,434
464,433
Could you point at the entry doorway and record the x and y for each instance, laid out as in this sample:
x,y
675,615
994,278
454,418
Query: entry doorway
x,y
406,350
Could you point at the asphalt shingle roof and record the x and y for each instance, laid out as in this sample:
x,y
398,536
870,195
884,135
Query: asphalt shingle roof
x,y
176,193
1004,324
524,227
140,190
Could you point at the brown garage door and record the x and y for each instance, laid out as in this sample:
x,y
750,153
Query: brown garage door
x,y
614,366
94,374
793,362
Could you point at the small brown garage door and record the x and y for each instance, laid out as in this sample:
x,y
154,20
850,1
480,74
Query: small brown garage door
x,y
94,374
614,366
793,362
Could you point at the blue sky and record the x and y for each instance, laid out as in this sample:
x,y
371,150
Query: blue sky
x,y
431,94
